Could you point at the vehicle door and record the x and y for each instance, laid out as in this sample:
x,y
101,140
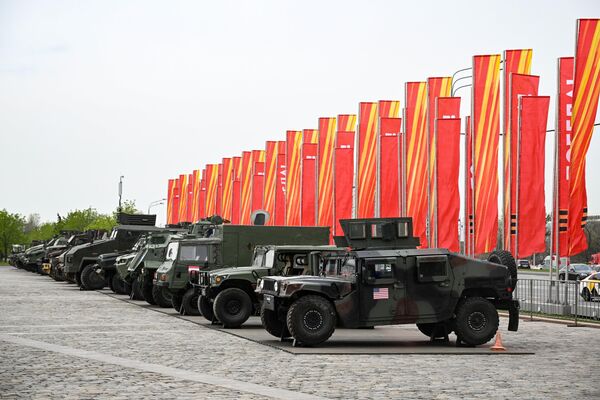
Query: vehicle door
x,y
430,285
382,291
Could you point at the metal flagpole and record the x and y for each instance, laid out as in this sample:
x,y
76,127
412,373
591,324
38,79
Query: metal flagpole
x,y
509,137
404,166
378,167
518,174
473,134
554,240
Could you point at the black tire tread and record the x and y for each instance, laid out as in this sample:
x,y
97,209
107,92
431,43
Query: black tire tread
x,y
86,279
219,307
297,332
505,258
461,328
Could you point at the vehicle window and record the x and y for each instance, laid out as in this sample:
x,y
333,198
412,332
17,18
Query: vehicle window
x,y
113,234
348,268
158,239
582,268
198,252
330,267
380,270
270,258
259,258
172,251
431,269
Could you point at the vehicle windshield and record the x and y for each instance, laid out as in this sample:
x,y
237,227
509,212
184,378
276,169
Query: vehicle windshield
x,y
158,239
269,258
172,251
194,252
113,234
342,268
259,258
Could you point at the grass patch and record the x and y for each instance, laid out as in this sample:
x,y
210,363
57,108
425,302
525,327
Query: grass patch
x,y
3,263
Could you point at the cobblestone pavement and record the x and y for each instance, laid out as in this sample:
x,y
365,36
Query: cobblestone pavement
x,y
59,342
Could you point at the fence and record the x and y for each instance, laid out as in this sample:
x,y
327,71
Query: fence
x,y
557,299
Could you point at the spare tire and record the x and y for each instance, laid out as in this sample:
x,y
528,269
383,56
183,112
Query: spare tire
x,y
504,257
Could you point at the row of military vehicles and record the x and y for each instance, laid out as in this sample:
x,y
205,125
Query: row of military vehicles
x,y
301,286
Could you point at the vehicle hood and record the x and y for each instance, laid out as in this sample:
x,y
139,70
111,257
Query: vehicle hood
x,y
235,270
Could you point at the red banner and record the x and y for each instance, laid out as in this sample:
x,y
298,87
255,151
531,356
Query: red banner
x,y
258,185
246,188
190,188
236,190
562,162
183,198
416,157
202,206
585,105
447,165
270,177
436,88
310,136
227,183
519,85
469,183
486,130
343,178
220,191
346,123
366,173
530,207
309,183
325,172
293,178
195,199
389,167
212,181
172,201
280,183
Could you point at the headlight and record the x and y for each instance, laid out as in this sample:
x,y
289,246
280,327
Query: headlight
x,y
261,283
218,279
275,286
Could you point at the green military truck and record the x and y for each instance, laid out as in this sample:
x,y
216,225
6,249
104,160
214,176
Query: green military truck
x,y
223,246
385,280
228,295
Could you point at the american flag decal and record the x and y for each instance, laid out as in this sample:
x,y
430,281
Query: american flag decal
x,y
380,294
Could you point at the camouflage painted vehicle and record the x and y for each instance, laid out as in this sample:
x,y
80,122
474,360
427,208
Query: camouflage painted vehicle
x,y
385,280
80,262
228,295
222,246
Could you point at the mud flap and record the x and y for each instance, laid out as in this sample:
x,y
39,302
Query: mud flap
x,y
513,315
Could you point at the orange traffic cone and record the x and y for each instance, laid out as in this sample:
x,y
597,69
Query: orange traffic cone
x,y
498,345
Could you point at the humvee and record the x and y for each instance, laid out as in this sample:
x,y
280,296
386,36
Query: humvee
x,y
223,245
228,295
383,279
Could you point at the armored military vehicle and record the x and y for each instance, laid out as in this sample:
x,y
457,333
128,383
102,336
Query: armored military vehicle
x,y
228,294
33,257
385,280
223,245
15,252
80,262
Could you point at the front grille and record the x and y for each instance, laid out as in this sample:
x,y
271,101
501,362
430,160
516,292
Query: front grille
x,y
204,278
268,285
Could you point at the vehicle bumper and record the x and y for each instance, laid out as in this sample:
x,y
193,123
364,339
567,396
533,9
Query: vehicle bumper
x,y
46,268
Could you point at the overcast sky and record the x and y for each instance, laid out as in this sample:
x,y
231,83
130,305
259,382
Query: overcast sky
x,y
91,90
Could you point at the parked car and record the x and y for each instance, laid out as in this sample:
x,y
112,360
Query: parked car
x,y
523,264
575,272
596,267
589,287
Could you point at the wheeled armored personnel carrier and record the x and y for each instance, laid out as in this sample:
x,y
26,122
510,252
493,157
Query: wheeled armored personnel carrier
x,y
383,279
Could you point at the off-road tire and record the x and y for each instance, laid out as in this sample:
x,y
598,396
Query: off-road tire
x,y
206,308
505,258
311,320
119,286
161,296
176,301
587,296
189,303
90,280
272,324
78,278
147,289
136,290
232,307
476,321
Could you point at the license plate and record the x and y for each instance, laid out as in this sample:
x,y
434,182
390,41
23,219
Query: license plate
x,y
269,302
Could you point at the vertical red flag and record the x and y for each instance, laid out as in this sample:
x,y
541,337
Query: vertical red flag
x,y
562,162
196,176
389,167
469,228
585,106
519,85
309,183
443,108
202,206
258,185
486,130
415,121
212,181
367,152
343,178
190,188
176,200
310,136
531,140
246,188
227,183
436,87
236,190
270,177
447,207
171,200
325,150
346,123
293,178
183,197
280,184
220,191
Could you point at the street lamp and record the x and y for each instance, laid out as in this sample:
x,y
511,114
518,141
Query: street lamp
x,y
155,203
120,190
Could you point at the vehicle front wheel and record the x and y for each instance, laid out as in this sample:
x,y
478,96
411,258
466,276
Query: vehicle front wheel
x,y
206,308
232,307
476,321
311,320
272,324
119,286
147,289
189,302
176,301
91,280
587,296
136,290
161,296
